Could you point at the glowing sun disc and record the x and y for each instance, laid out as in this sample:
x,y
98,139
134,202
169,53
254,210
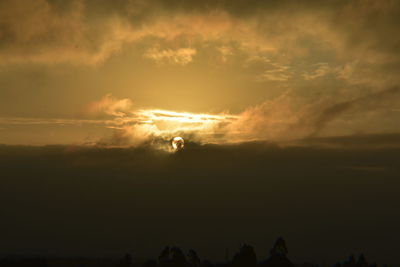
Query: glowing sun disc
x,y
177,143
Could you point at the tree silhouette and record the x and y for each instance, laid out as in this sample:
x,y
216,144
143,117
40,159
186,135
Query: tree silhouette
x,y
174,257
279,247
278,255
150,263
164,258
246,257
126,261
361,262
193,258
178,258
351,262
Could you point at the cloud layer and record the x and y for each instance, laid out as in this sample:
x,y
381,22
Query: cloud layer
x,y
71,200
83,32
278,120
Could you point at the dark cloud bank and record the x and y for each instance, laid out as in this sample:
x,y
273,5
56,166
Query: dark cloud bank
x,y
328,198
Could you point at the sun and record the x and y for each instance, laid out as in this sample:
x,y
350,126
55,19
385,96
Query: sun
x,y
177,143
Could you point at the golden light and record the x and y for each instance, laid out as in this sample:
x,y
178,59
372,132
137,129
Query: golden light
x,y
177,143
166,123
140,125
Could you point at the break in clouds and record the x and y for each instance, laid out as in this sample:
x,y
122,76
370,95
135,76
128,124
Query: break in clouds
x,y
277,120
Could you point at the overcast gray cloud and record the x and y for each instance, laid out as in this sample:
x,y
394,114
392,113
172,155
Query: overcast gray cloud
x,y
71,200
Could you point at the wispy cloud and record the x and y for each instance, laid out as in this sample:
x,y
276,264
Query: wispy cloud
x,y
45,121
279,120
109,105
180,56
279,75
321,69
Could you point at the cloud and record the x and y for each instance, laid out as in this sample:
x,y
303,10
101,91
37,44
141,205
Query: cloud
x,y
344,72
133,126
372,102
69,189
287,118
284,119
279,75
42,32
43,121
109,105
90,32
264,69
322,69
270,120
287,46
355,141
180,56
225,51
35,31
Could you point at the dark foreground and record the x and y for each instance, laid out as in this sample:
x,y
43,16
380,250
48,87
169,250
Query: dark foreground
x,y
328,200
175,257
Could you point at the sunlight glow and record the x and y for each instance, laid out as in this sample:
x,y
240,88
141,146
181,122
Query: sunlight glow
x,y
177,143
166,123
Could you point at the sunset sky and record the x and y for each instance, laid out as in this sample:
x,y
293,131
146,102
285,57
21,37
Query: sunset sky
x,y
287,69
289,111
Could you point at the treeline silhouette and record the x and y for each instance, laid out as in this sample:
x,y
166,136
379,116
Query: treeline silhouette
x,y
175,257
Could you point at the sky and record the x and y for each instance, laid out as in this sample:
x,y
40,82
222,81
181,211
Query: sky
x,y
285,70
289,111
